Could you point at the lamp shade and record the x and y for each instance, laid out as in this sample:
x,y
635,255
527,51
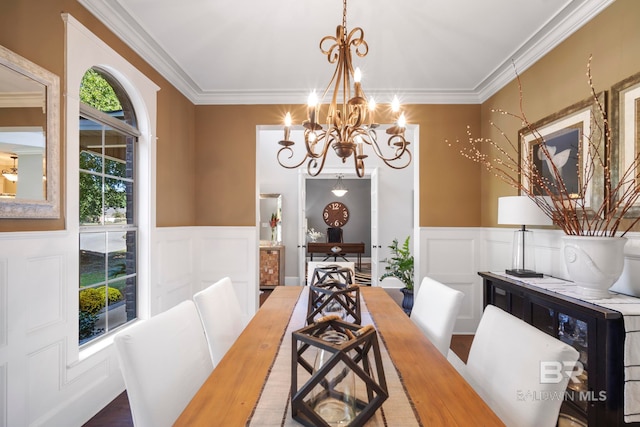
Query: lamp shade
x,y
521,210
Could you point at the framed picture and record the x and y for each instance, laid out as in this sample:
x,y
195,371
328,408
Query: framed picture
x,y
625,123
571,136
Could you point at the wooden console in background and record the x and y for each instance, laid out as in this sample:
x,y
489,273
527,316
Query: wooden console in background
x,y
271,266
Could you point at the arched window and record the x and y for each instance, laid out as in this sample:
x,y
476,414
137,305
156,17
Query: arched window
x,y
108,228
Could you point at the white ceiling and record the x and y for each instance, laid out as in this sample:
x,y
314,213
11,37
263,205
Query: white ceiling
x,y
265,52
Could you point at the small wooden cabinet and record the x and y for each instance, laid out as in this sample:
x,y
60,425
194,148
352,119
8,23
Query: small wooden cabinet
x,y
271,266
596,332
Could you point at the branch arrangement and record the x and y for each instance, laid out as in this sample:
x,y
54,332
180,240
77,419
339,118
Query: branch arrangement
x,y
568,210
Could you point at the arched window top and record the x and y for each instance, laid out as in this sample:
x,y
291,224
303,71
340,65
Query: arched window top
x,y
101,91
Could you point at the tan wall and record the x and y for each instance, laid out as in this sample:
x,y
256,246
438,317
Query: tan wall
x,y
559,80
45,47
220,140
226,153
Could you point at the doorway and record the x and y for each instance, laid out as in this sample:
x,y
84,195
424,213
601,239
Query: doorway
x,y
359,230
396,215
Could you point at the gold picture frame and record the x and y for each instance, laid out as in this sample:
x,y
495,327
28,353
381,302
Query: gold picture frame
x,y
625,124
572,136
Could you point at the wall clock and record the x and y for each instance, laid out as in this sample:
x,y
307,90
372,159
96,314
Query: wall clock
x,y
335,214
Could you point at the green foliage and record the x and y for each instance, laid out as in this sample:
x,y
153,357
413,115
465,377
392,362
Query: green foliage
x,y
114,295
98,93
93,300
90,198
87,324
91,187
400,265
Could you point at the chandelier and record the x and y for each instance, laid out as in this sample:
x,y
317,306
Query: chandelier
x,y
339,189
12,173
350,117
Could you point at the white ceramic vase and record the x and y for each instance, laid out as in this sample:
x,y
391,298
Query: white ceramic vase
x,y
594,263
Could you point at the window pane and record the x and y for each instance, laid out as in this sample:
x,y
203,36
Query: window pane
x,y
92,301
115,151
122,251
90,199
91,161
115,200
92,259
117,306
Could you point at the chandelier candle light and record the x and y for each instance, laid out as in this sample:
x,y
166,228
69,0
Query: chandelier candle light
x,y
350,124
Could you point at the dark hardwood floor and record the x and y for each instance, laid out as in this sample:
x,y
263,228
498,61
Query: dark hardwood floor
x,y
118,413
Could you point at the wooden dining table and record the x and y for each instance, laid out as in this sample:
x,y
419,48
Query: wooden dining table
x,y
438,394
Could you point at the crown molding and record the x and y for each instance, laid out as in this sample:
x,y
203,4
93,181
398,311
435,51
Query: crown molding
x,y
569,20
558,28
300,96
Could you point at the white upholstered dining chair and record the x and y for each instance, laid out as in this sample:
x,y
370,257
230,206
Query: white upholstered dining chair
x,y
221,316
164,361
504,367
435,310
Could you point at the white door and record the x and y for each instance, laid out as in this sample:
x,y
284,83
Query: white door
x,y
302,226
375,246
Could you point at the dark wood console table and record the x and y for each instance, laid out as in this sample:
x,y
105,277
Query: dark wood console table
x,y
347,248
595,331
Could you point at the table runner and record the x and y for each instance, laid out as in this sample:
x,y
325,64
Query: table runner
x,y
274,405
629,307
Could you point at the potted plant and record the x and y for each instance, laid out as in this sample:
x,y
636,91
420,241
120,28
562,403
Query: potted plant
x,y
400,266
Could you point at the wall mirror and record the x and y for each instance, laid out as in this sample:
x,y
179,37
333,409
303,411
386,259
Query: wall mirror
x,y
270,204
29,139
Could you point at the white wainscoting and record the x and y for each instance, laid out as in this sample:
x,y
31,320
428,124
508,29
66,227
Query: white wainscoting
x,y
43,382
454,256
192,258
43,379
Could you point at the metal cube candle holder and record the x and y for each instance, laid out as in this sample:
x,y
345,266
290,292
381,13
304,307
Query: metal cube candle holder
x,y
359,356
331,296
334,272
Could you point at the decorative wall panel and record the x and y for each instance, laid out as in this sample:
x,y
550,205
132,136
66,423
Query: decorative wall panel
x,y
44,296
44,380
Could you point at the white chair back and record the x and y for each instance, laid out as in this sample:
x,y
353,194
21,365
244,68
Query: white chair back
x,y
435,309
221,316
312,265
164,361
504,367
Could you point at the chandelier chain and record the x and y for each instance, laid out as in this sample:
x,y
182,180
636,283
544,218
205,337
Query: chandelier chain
x,y
344,15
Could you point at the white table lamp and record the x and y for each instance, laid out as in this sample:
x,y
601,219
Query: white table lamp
x,y
521,210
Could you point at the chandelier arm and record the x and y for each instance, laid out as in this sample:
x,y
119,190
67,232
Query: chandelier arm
x,y
331,53
387,162
399,151
321,137
373,142
401,146
357,41
312,167
280,151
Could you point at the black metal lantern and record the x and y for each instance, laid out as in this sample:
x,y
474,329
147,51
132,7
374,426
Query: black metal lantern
x,y
336,373
331,272
334,297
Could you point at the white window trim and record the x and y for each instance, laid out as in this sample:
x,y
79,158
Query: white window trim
x,y
83,51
